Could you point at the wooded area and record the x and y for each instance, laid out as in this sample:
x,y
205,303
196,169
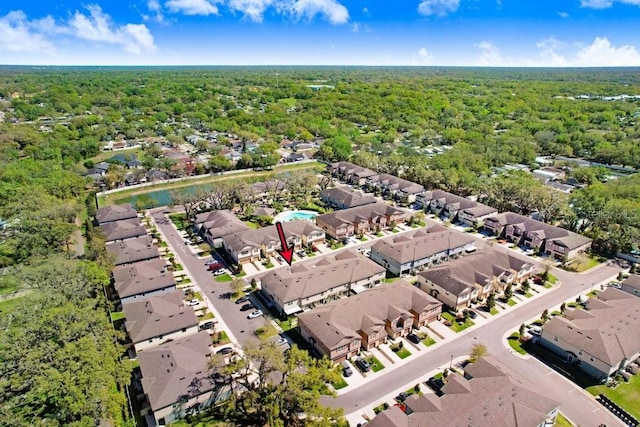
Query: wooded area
x,y
444,128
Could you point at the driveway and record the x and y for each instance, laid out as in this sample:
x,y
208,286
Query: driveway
x,y
577,405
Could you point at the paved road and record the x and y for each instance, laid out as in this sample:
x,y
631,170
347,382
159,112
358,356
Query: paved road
x,y
578,406
236,321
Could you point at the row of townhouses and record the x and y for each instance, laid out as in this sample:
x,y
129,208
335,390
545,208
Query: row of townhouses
x,y
487,394
164,333
222,229
367,218
524,231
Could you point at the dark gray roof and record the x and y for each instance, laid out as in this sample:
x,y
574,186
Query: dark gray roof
x,y
220,223
115,213
360,213
133,250
633,281
269,235
158,315
346,196
170,370
142,277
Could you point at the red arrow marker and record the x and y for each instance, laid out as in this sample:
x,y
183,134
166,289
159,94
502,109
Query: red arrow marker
x,y
286,251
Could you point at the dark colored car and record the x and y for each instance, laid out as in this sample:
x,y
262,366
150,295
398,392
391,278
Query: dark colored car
x,y
215,266
402,397
225,350
473,314
247,307
435,384
207,325
363,365
413,338
242,299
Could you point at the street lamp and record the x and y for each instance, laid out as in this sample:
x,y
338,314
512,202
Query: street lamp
x,y
451,363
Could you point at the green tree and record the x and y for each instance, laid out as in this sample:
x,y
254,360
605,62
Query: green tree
x,y
478,351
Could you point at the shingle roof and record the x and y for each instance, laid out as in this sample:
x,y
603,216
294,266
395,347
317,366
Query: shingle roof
x,y
360,213
633,281
460,274
420,245
609,330
220,223
133,250
123,229
142,277
115,213
314,277
269,235
346,196
339,321
492,400
546,231
158,315
176,369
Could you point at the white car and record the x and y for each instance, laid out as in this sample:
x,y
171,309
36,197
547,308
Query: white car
x,y
219,272
193,302
282,341
254,314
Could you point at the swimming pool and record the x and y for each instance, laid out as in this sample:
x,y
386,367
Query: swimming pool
x,y
295,215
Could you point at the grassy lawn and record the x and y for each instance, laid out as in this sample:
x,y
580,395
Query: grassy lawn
x,y
375,364
289,102
390,279
266,332
104,155
455,325
223,278
493,311
178,220
221,338
196,295
579,267
178,267
511,302
290,323
625,395
514,343
402,353
528,295
207,316
561,421
552,279
117,315
548,285
204,247
341,383
592,294
428,341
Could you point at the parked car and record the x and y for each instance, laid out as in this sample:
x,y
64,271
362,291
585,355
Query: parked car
x,y
254,314
214,266
282,341
346,369
473,314
301,254
363,365
247,307
413,338
219,272
193,302
402,397
242,299
207,325
225,350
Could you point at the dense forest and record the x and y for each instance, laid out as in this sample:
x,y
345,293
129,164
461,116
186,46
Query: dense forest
x,y
446,128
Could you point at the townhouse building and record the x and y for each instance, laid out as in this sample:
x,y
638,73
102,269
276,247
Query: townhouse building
x,y
361,219
340,329
133,250
122,230
306,285
115,213
546,238
345,198
140,280
460,282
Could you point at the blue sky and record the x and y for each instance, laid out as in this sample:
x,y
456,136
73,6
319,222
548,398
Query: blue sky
x,y
323,32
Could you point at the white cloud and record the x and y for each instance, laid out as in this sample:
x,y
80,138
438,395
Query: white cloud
x,y
156,9
365,11
252,9
548,53
438,7
489,54
601,53
603,4
192,7
98,27
18,34
563,14
332,10
423,57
